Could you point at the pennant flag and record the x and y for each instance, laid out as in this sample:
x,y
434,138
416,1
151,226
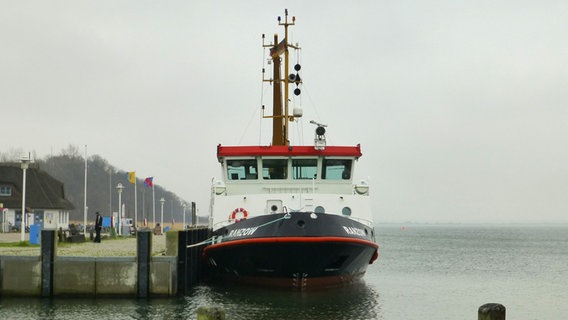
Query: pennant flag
x,y
132,176
148,182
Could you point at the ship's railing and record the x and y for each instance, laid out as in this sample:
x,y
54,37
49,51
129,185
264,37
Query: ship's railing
x,y
367,222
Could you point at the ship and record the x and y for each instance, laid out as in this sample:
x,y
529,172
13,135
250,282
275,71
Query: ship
x,y
285,215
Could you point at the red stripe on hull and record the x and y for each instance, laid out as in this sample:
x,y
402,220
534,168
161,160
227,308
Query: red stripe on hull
x,y
291,240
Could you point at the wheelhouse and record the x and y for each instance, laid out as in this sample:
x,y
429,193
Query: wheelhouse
x,y
287,164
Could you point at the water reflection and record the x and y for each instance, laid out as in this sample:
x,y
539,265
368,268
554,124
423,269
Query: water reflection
x,y
357,301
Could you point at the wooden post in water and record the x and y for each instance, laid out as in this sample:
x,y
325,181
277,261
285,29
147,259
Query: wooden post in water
x,y
143,260
491,311
183,263
48,252
210,313
190,262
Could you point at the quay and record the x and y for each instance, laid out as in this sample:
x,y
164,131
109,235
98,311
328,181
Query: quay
x,y
130,267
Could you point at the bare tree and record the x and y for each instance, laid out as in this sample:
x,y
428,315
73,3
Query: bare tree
x,y
12,155
72,151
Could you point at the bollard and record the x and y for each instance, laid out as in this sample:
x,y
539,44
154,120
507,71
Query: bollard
x,y
491,311
210,313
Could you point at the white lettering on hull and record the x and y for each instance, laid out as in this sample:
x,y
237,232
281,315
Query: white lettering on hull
x,y
355,231
241,232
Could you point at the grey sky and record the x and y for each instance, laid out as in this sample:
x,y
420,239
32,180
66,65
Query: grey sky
x,y
461,107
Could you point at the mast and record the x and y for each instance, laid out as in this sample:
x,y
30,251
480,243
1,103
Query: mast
x,y
280,112
279,136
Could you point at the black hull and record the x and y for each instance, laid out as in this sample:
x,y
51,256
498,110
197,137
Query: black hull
x,y
295,251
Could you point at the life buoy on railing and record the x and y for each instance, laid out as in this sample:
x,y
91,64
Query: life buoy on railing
x,y
236,211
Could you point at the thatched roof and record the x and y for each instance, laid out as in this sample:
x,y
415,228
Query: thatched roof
x,y
42,190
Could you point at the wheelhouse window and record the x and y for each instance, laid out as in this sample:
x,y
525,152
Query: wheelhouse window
x,y
275,169
242,169
304,168
5,191
337,169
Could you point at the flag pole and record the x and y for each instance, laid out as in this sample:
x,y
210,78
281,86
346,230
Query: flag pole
x,y
85,202
149,183
145,223
153,205
135,205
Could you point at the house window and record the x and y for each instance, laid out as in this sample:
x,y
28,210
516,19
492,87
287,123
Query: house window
x,y
5,191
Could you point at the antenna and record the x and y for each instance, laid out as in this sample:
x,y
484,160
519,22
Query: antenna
x,y
318,124
319,140
281,115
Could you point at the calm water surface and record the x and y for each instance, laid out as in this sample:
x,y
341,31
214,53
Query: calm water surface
x,y
423,272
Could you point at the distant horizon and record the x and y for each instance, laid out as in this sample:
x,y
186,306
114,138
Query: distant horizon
x,y
404,223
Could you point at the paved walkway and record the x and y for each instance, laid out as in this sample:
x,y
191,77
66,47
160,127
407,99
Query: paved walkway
x,y
107,247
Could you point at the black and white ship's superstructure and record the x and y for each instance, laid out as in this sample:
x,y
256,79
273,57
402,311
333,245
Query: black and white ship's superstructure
x,y
290,216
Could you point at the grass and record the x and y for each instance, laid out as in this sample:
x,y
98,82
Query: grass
x,y
25,244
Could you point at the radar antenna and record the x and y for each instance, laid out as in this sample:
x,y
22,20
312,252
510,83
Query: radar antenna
x,y
319,140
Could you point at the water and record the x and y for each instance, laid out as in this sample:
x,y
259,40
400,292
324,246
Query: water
x,y
423,272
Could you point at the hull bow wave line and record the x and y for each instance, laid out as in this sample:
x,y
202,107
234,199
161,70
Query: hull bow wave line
x,y
288,215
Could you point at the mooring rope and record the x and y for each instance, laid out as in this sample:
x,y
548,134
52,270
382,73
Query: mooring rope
x,y
286,216
210,240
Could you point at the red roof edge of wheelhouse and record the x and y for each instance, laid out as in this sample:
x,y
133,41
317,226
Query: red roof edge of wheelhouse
x,y
235,151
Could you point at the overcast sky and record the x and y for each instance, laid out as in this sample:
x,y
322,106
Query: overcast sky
x,y
461,107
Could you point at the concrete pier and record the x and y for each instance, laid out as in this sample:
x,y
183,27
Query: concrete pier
x,y
49,275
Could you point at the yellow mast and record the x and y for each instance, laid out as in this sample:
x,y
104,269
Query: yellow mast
x,y
280,118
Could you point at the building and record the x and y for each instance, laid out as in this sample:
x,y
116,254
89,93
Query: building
x,y
45,199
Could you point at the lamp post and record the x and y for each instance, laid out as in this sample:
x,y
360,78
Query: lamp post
x,y
162,217
25,164
119,187
183,206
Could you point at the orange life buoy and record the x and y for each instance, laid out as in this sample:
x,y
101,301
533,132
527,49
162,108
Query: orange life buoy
x,y
236,211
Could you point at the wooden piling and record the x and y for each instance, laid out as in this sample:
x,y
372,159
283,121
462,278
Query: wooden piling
x,y
48,250
182,267
491,311
190,262
210,313
143,259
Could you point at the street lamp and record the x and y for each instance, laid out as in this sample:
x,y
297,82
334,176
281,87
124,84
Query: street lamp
x,y
162,218
183,206
25,164
119,187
